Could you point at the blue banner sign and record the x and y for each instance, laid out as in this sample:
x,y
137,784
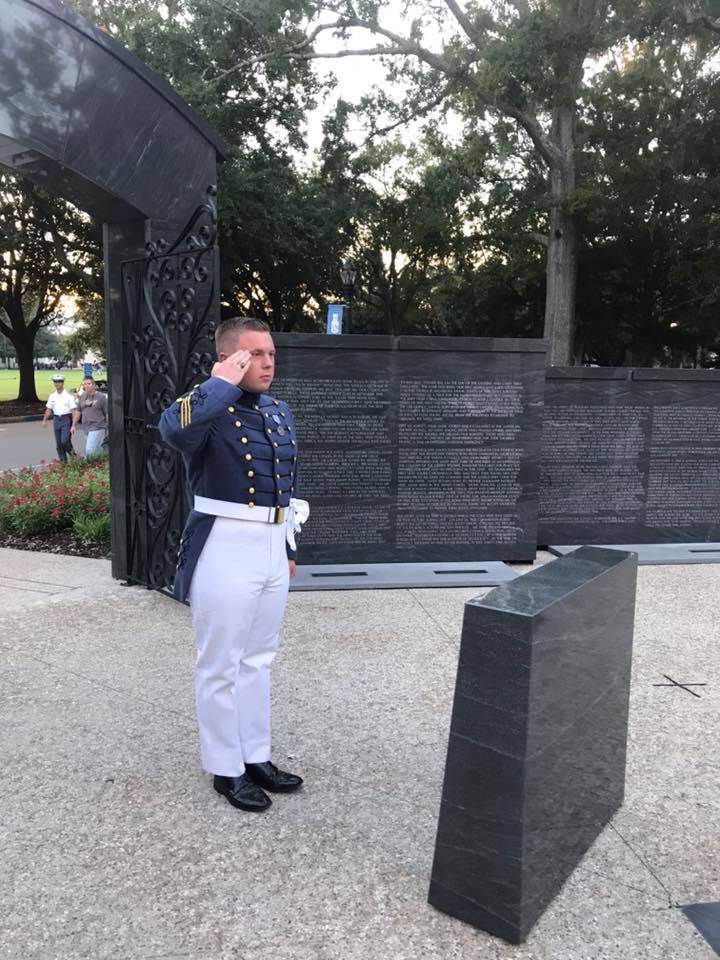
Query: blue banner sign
x,y
335,318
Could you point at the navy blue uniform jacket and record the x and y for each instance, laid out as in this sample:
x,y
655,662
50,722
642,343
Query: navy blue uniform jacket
x,y
236,446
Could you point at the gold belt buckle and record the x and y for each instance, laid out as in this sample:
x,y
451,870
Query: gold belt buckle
x,y
279,515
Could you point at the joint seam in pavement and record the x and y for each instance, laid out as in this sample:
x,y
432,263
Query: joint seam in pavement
x,y
671,901
429,615
47,583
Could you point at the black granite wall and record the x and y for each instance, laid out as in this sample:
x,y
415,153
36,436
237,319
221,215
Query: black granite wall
x,y
417,448
630,456
536,754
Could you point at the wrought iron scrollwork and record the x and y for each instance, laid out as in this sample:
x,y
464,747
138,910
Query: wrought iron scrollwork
x,y
171,304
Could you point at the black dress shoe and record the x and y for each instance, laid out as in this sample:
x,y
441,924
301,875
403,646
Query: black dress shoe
x,y
242,792
267,776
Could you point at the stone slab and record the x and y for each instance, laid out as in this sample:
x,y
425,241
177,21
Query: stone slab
x,y
656,553
536,756
393,576
415,449
706,917
630,456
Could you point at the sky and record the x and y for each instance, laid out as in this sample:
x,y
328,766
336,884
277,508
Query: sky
x,y
357,75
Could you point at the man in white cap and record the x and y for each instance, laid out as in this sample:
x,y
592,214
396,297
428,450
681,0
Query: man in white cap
x,y
60,406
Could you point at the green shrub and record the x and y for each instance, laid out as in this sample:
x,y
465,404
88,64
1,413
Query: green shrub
x,y
52,496
90,527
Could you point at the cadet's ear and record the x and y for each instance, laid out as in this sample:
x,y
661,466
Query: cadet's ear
x,y
222,356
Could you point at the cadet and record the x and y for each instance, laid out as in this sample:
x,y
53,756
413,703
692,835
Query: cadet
x,y
60,405
237,554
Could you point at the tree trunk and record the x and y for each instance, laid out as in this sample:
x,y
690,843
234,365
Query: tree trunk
x,y
24,351
562,249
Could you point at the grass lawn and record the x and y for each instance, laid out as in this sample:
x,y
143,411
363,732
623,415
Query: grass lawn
x,y
10,382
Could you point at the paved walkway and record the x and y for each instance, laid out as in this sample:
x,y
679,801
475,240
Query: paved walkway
x,y
29,443
113,845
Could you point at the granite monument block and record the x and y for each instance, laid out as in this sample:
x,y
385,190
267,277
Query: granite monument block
x,y
536,756
630,456
415,449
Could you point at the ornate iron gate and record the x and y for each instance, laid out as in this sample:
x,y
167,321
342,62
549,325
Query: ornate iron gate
x,y
171,308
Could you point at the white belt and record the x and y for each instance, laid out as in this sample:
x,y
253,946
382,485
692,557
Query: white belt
x,y
240,511
295,515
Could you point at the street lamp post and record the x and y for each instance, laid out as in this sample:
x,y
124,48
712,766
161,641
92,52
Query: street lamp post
x,y
347,275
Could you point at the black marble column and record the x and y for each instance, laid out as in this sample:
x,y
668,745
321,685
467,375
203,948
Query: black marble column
x,y
536,757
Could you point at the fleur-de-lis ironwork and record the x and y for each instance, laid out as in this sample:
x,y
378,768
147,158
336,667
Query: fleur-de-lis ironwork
x,y
171,303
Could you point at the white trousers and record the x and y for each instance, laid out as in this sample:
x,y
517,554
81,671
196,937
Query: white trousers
x,y
237,596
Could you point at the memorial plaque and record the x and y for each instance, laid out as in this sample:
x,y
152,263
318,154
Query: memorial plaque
x,y
630,456
415,449
536,754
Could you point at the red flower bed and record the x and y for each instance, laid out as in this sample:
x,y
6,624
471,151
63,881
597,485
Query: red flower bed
x,y
57,496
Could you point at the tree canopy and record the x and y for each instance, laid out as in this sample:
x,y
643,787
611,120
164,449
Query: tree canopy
x,y
528,168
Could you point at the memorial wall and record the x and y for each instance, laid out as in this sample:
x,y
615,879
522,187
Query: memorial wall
x,y
630,456
415,449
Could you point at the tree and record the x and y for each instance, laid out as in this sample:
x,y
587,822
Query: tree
x,y
525,63
277,235
36,268
520,61
649,213
89,330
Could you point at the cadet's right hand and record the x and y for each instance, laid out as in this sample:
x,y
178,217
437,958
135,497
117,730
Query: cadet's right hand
x,y
234,368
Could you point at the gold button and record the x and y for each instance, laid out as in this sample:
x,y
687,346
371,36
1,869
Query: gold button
x,y
251,504
255,407
277,459
238,423
277,475
292,442
274,443
267,414
251,490
243,439
251,473
269,430
248,456
231,409
279,490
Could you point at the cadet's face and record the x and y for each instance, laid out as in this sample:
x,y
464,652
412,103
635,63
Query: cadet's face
x,y
262,366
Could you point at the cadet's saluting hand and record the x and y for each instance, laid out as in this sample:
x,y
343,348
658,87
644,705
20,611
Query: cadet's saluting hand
x,y
234,367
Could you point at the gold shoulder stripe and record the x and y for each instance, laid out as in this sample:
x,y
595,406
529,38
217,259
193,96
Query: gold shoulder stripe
x,y
184,411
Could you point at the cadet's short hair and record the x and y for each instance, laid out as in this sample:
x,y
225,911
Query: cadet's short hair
x,y
232,328
91,379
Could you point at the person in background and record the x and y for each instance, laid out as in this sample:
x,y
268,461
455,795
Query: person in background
x,y
60,406
91,414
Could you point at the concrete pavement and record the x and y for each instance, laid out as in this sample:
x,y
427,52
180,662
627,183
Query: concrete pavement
x,y
26,444
113,845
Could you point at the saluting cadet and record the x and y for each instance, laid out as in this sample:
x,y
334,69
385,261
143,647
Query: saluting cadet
x,y
237,553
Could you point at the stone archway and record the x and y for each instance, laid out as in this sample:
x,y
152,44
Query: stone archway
x,y
84,118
